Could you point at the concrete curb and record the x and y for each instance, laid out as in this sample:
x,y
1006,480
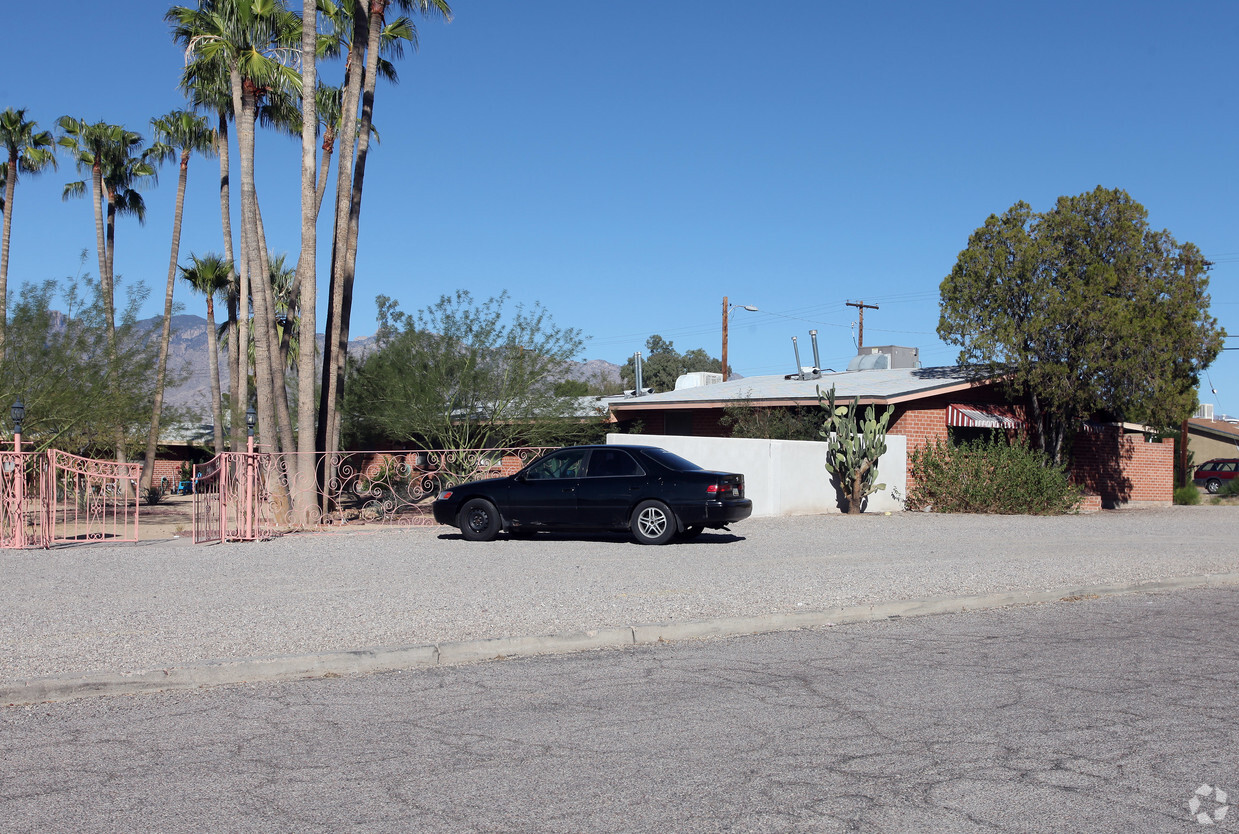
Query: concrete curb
x,y
364,661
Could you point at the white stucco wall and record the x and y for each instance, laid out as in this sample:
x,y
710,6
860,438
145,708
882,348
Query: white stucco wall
x,y
782,477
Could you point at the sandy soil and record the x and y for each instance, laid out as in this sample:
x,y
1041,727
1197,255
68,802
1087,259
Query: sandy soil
x,y
171,517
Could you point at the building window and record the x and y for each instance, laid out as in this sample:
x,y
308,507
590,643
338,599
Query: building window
x,y
678,422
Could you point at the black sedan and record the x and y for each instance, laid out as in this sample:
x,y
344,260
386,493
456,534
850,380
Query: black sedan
x,y
649,491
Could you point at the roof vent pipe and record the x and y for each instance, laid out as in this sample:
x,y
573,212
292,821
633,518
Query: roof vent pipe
x,y
817,363
796,347
637,365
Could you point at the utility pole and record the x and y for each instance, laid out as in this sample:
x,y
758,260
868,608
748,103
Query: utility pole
x,y
727,308
862,306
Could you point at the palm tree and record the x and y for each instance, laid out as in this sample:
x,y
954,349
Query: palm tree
x,y
368,33
207,86
117,170
211,275
29,151
254,39
177,135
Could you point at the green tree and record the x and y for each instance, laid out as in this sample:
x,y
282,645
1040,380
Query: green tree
x,y
178,135
28,151
60,363
1083,309
662,365
211,275
463,375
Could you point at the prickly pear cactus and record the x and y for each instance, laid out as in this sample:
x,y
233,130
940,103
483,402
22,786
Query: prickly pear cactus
x,y
853,447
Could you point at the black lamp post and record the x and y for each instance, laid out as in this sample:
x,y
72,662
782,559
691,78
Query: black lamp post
x,y
18,413
251,417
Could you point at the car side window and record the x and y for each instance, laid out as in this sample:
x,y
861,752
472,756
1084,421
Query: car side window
x,y
1208,467
612,463
1229,466
565,464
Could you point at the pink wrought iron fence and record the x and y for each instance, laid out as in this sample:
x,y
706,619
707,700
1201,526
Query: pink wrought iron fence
x,y
54,497
241,497
19,500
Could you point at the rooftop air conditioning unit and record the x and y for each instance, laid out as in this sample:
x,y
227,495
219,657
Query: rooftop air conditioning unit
x,y
696,379
1204,412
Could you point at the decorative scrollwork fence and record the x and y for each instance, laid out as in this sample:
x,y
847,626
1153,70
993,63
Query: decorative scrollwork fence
x,y
54,497
241,497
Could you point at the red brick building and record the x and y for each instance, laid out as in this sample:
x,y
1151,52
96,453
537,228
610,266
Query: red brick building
x,y
1115,467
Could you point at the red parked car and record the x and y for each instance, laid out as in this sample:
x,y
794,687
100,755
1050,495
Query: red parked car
x,y
1212,474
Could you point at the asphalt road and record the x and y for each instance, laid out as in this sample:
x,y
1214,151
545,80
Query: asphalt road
x,y
1096,715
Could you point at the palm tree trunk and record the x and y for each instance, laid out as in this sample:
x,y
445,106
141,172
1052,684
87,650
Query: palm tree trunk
x,y
252,249
305,494
109,312
10,188
165,333
217,405
238,387
344,170
279,380
370,77
324,167
250,245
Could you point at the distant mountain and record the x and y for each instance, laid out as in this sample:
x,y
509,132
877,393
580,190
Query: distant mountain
x,y
188,349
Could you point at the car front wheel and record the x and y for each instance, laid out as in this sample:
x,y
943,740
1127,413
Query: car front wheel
x,y
479,520
1213,485
653,523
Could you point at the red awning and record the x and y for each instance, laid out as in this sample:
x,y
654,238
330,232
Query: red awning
x,y
981,417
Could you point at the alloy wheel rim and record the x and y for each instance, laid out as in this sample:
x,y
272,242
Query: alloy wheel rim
x,y
652,522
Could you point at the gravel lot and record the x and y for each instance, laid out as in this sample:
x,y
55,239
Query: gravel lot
x,y
100,608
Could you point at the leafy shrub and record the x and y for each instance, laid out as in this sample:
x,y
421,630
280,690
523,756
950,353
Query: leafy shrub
x,y
988,476
748,420
153,495
1187,495
1229,489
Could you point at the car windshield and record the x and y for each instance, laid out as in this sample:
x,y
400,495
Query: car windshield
x,y
672,460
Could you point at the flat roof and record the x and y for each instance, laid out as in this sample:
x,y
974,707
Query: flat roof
x,y
887,385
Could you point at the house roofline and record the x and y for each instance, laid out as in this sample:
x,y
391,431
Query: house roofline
x,y
635,404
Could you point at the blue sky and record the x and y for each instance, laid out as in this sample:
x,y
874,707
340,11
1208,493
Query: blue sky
x,y
630,164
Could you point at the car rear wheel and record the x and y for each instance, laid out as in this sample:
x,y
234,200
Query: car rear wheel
x,y
479,520
1213,485
653,523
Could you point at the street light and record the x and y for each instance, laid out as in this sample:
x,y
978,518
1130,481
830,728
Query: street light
x,y
727,308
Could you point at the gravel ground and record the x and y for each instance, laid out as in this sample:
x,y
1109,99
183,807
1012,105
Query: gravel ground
x,y
100,608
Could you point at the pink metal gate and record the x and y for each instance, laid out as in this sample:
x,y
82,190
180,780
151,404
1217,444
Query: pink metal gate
x,y
232,501
54,497
89,500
